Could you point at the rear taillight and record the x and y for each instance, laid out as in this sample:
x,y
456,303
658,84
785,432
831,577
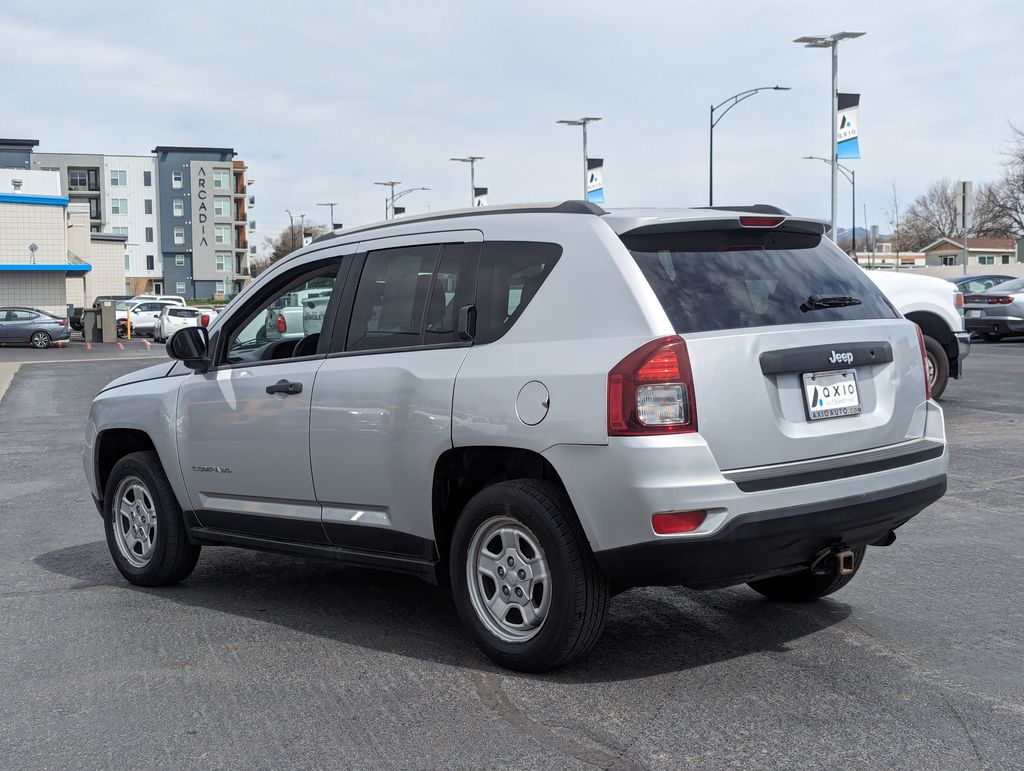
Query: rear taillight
x,y
1000,300
672,522
958,301
282,325
62,322
204,320
651,391
924,363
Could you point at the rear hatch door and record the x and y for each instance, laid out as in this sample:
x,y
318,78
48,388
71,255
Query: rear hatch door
x,y
795,353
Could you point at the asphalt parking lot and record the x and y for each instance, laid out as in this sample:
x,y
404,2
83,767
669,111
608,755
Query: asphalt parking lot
x,y
264,661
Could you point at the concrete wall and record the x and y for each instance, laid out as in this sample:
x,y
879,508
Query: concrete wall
x,y
23,224
45,290
33,182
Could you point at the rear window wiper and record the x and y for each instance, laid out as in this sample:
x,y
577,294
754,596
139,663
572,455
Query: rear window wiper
x,y
818,301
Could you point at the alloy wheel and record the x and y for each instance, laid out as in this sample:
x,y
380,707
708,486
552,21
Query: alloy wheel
x,y
40,340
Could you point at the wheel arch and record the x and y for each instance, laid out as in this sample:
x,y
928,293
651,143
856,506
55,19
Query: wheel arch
x,y
936,328
462,472
112,444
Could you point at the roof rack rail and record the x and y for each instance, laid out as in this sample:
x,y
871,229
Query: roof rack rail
x,y
757,208
565,207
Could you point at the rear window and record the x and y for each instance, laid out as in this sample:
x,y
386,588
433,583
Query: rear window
x,y
182,313
733,279
511,272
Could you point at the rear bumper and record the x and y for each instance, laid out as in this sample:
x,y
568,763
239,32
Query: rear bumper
x,y
1004,325
768,543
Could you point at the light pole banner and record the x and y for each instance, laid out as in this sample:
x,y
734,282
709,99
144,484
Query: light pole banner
x,y
397,211
479,196
847,142
595,180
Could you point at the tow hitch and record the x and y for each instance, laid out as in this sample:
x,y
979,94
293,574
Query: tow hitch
x,y
833,561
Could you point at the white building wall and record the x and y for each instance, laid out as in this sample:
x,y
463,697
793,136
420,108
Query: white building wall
x,y
136,220
24,224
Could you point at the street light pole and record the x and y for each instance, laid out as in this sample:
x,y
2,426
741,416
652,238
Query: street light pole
x,y
471,160
291,228
302,230
582,122
331,204
390,201
832,41
732,101
851,177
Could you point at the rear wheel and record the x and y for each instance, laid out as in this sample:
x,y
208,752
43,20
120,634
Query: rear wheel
x,y
525,582
145,531
40,340
937,366
806,586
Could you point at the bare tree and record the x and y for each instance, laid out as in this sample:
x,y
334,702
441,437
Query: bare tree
x,y
893,215
1008,198
933,215
277,246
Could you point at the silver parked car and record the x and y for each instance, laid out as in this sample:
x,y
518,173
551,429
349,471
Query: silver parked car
x,y
31,326
997,312
541,406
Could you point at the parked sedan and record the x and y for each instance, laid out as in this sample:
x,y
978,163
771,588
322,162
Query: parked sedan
x,y
998,312
978,283
31,326
174,317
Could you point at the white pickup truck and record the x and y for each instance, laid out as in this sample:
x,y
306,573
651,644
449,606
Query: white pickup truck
x,y
936,306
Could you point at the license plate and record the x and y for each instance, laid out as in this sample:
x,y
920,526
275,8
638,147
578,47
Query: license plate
x,y
831,394
974,314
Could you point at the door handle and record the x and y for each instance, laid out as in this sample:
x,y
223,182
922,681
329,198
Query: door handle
x,y
284,387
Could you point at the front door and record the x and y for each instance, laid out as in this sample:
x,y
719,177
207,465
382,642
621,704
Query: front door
x,y
382,405
243,427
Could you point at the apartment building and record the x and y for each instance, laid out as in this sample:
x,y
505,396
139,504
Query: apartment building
x,y
183,212
203,208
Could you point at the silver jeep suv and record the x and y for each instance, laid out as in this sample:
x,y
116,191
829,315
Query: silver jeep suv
x,y
542,406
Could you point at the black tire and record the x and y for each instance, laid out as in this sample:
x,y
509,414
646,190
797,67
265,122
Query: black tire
x,y
173,557
40,340
805,586
991,337
940,363
579,591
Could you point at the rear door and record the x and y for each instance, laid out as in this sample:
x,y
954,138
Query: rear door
x,y
795,353
382,404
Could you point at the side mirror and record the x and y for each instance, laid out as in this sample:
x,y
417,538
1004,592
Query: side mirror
x,y
191,346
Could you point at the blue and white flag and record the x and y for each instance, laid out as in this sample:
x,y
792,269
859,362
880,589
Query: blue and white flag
x,y
847,143
595,180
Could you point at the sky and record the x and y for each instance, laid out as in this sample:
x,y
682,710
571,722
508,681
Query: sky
x,y
323,99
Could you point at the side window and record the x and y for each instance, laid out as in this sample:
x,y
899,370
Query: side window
x,y
284,323
511,272
453,286
390,298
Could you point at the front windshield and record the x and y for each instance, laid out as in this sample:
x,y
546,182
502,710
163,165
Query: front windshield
x,y
124,306
1014,285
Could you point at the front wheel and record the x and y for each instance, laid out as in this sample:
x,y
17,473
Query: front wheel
x,y
806,586
525,582
40,340
145,530
937,365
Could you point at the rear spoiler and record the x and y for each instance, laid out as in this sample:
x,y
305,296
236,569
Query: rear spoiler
x,y
760,222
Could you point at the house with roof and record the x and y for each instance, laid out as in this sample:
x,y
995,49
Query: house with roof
x,y
984,253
